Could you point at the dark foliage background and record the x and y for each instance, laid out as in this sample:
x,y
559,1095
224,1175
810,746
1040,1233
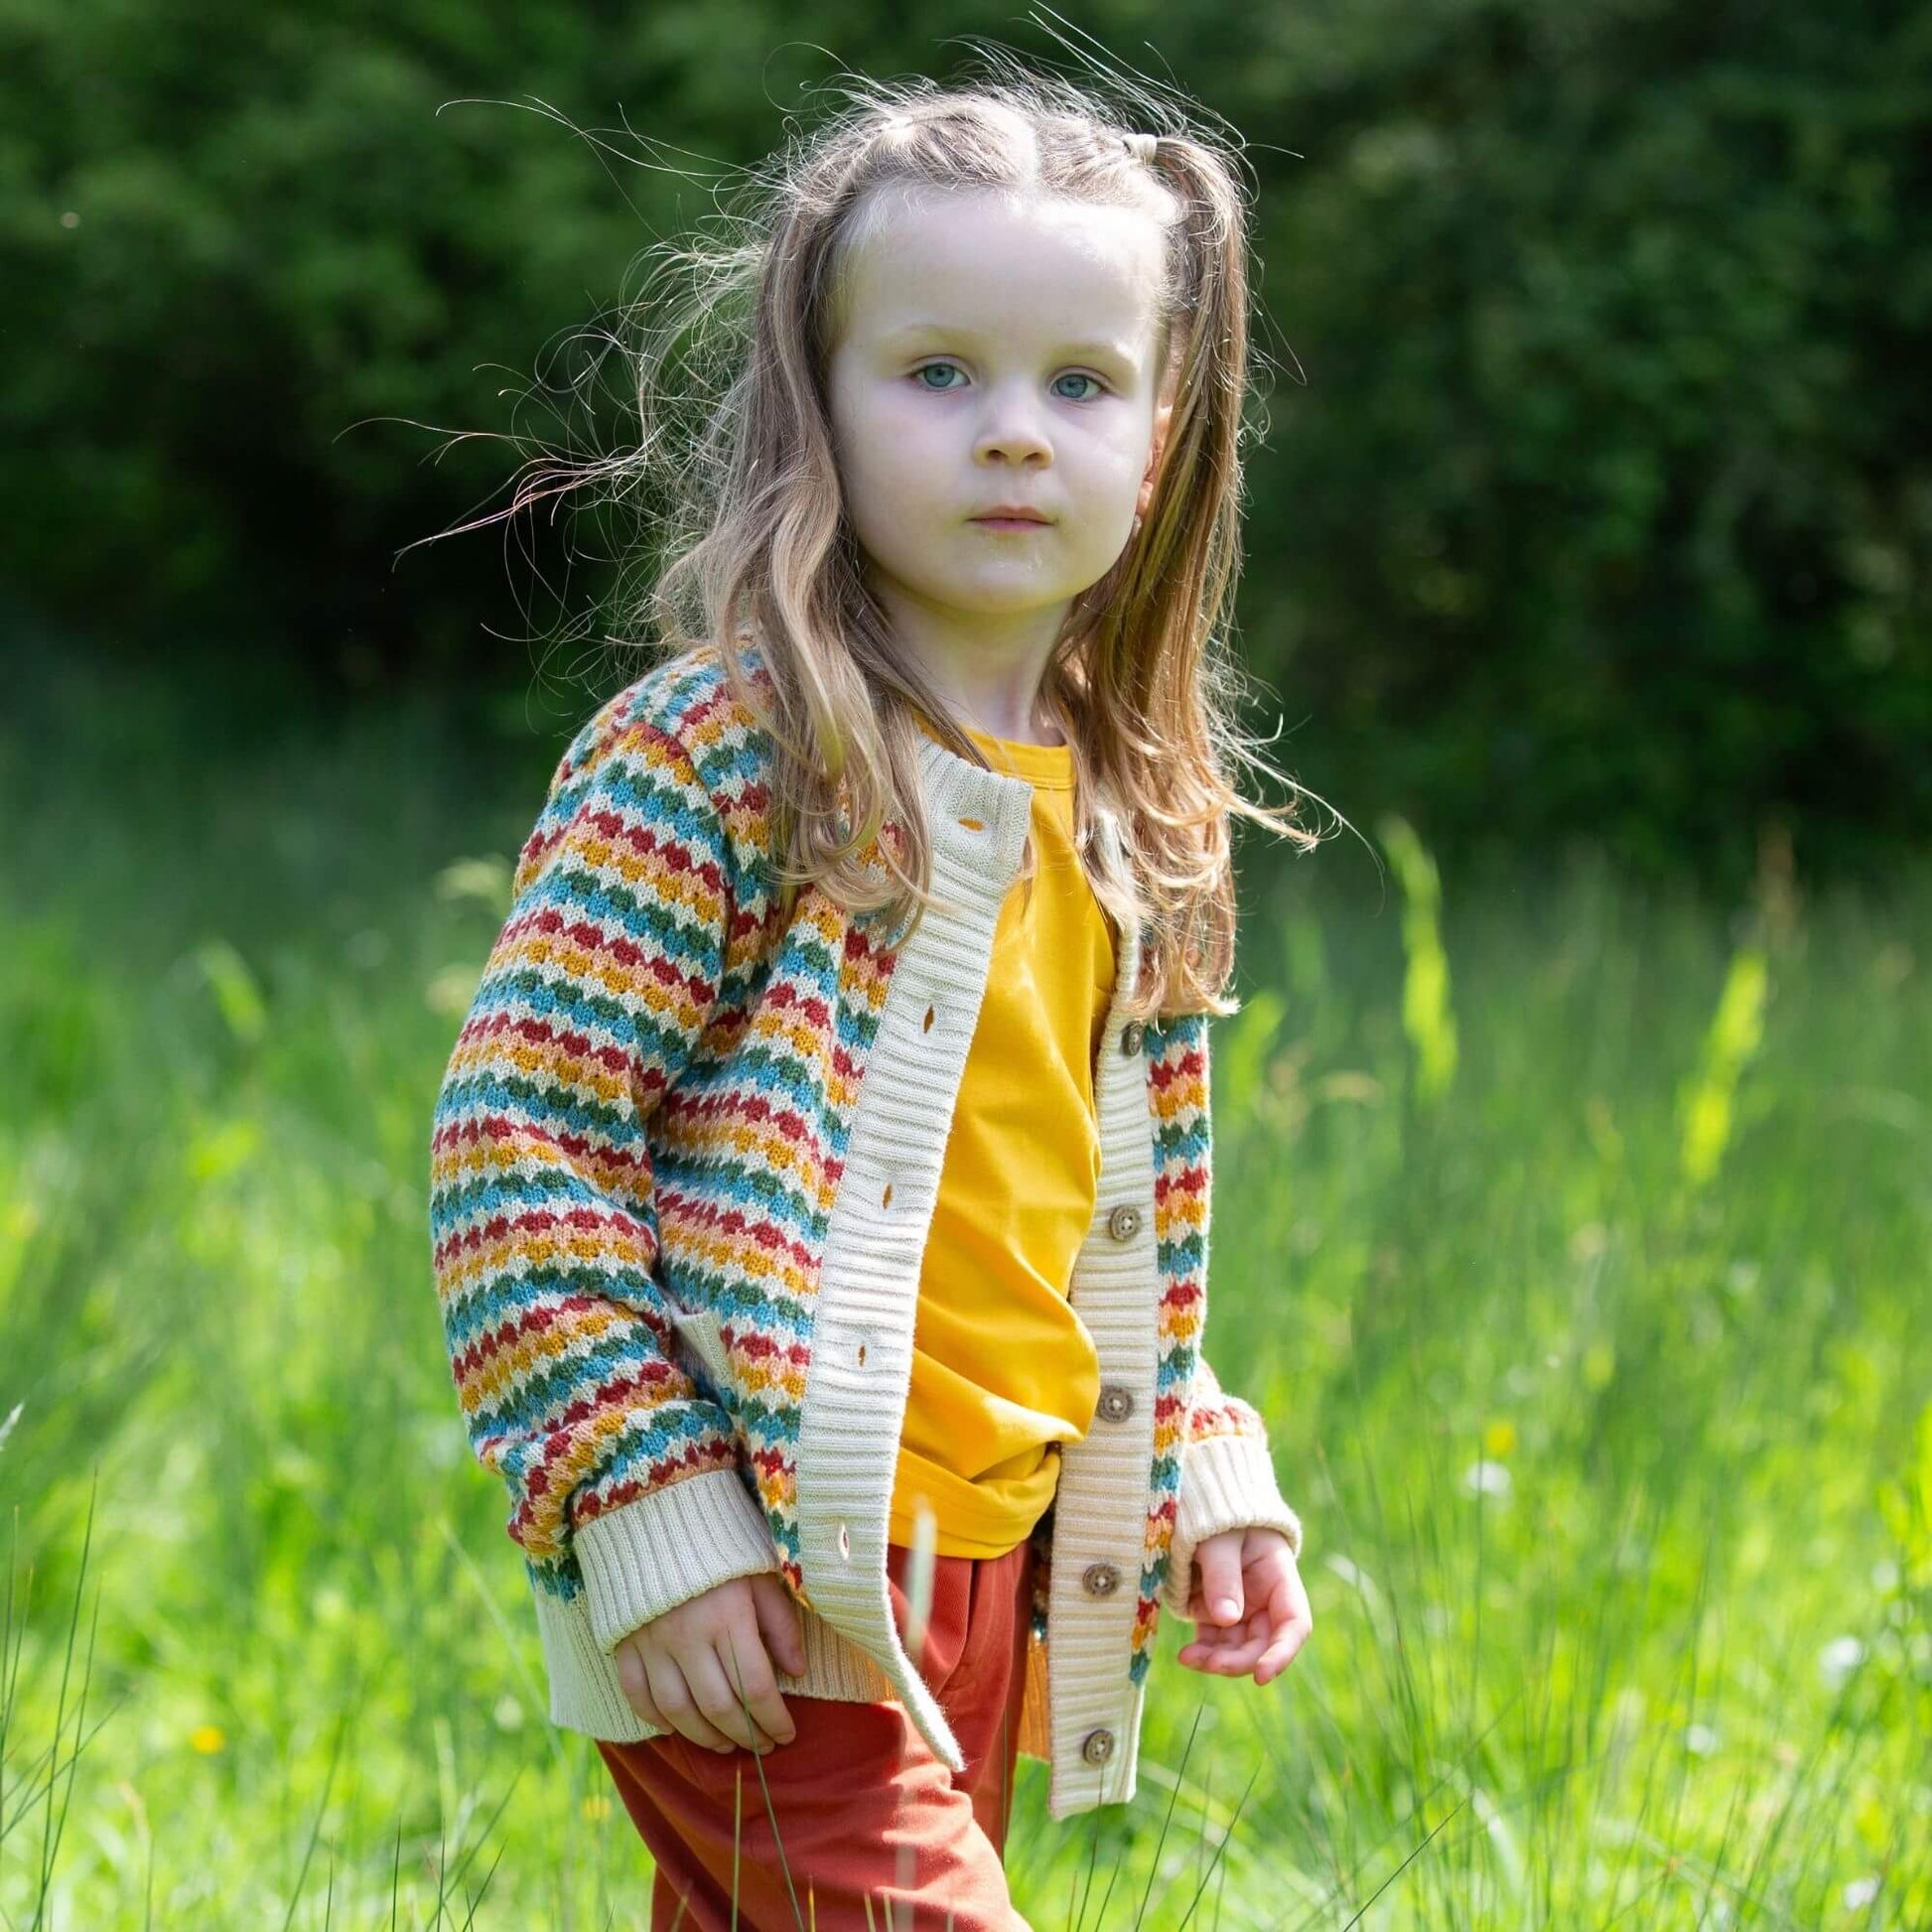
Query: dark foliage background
x,y
1595,501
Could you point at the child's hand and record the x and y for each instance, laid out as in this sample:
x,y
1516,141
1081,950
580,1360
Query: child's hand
x,y
1247,1603
681,1671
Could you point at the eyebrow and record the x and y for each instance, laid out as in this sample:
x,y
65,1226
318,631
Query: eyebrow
x,y
1096,350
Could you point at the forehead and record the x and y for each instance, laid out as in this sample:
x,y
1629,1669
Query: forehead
x,y
999,263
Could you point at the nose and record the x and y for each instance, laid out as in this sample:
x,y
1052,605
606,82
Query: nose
x,y
1011,430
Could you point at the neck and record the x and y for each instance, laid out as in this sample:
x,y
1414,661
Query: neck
x,y
988,667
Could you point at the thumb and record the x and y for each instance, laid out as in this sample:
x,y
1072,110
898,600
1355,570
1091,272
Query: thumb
x,y
779,1622
1220,1577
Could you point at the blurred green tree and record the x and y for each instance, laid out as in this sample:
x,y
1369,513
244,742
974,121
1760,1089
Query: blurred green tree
x,y
1595,497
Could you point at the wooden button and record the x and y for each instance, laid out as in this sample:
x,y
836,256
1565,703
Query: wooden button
x,y
1131,1037
1100,1579
1098,1748
1123,1223
1116,1404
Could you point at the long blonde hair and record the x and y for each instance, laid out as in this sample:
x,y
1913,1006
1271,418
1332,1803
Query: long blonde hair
x,y
734,473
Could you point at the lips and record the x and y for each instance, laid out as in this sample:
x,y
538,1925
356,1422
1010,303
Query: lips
x,y
1011,513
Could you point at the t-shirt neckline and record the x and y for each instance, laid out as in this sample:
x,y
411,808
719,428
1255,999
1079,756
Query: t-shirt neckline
x,y
1050,766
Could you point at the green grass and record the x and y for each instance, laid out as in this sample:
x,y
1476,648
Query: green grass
x,y
1597,1354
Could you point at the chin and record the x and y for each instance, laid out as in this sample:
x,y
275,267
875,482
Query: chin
x,y
1007,596
1017,605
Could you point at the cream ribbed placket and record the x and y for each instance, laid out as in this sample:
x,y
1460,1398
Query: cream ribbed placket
x,y
860,1368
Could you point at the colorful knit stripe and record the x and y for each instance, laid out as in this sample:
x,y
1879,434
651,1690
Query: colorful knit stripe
x,y
639,984
1178,1098
544,1222
1213,1412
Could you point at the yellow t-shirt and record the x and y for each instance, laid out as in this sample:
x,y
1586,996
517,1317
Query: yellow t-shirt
x,y
1003,1370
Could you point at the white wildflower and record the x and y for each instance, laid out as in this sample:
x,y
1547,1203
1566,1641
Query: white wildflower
x,y
1487,1478
1838,1659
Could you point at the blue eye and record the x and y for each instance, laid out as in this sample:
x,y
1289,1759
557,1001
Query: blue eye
x,y
936,369
1074,375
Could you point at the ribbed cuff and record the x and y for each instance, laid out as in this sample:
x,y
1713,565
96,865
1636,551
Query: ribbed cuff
x,y
666,1547
1227,1482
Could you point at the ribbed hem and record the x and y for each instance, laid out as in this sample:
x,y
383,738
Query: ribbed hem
x,y
666,1547
586,1695
1227,1482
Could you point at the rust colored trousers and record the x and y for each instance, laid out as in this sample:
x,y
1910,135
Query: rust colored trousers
x,y
863,1810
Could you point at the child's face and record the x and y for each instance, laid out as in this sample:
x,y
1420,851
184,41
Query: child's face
x,y
996,351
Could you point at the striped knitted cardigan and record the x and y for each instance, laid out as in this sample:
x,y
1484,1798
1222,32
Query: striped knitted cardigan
x,y
683,1166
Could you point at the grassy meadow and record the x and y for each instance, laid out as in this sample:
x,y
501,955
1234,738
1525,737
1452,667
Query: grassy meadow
x,y
1574,1239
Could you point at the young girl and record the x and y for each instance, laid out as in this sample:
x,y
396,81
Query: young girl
x,y
820,1185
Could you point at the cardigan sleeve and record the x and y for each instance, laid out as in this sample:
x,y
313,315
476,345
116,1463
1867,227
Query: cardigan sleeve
x,y
1227,1476
1227,1481
621,1471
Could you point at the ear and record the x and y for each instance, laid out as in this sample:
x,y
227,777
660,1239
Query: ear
x,y
1162,416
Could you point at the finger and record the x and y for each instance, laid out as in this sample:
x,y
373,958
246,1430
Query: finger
x,y
709,1676
1239,1649
1281,1652
1288,1602
749,1671
1221,1586
1206,1608
1294,1626
1204,1650
637,1686
1239,1661
1214,1640
672,1692
779,1623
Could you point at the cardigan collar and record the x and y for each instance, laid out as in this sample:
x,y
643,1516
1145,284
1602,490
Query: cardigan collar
x,y
980,816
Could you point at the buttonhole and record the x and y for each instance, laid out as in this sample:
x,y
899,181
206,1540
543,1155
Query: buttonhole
x,y
926,1024
886,1200
845,1542
862,1354
974,824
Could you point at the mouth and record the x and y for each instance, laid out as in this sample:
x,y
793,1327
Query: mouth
x,y
1011,517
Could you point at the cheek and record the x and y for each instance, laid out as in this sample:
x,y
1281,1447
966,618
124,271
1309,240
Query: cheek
x,y
879,424
1117,459
888,458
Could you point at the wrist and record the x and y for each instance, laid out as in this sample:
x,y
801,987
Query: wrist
x,y
667,1547
1227,1483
